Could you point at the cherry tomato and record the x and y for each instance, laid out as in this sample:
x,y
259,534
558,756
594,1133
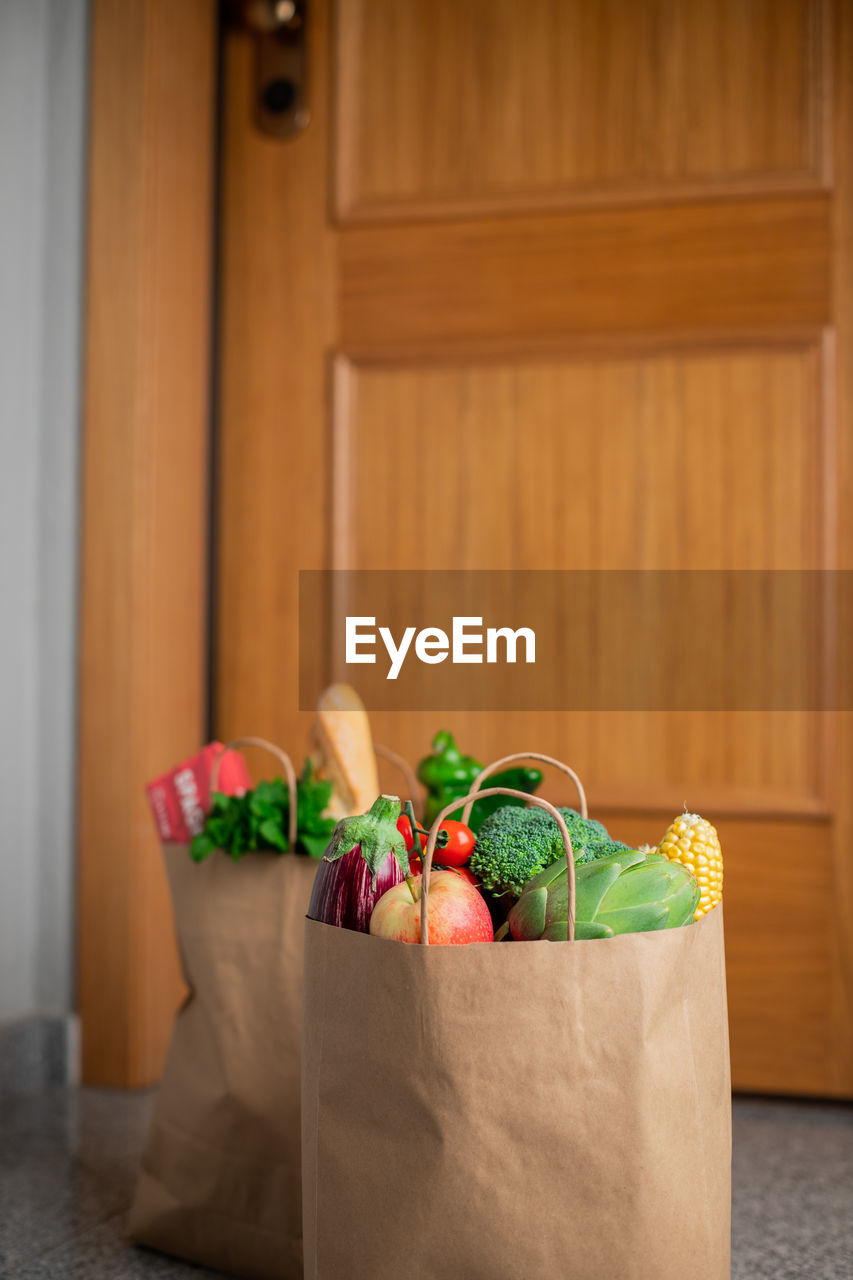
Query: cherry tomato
x,y
460,844
464,874
404,826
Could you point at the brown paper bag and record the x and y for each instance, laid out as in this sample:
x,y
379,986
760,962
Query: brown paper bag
x,y
220,1179
524,1111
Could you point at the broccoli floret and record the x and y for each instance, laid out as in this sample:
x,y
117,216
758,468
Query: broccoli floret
x,y
584,833
514,845
590,839
602,849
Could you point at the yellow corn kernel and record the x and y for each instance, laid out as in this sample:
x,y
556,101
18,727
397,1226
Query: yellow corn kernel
x,y
694,843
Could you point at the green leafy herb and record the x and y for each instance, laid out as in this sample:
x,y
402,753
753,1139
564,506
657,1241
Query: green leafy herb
x,y
258,820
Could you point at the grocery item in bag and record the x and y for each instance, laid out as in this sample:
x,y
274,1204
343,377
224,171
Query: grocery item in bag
x,y
180,798
343,750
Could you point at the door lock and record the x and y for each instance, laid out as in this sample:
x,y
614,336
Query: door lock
x,y
278,28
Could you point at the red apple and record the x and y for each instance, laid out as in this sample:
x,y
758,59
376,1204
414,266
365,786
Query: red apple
x,y
457,912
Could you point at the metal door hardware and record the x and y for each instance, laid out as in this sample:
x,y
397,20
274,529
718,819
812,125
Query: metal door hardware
x,y
278,29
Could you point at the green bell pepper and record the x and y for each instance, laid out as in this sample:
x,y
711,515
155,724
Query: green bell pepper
x,y
447,775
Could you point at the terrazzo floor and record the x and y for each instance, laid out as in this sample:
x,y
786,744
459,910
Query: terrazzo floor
x,y
68,1161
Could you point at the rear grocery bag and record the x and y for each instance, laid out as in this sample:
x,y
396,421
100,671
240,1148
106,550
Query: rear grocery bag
x,y
516,1112
220,1180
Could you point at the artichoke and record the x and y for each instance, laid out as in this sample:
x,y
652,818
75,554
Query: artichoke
x,y
625,892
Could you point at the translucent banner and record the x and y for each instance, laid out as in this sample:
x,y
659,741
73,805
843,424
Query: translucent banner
x,y
473,640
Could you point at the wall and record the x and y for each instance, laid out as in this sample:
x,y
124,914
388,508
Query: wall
x,y
42,171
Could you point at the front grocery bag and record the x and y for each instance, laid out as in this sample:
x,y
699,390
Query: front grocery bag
x,y
518,1111
220,1181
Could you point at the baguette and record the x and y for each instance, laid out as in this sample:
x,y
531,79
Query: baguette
x,y
343,751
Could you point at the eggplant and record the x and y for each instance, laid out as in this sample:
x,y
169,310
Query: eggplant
x,y
366,857
345,892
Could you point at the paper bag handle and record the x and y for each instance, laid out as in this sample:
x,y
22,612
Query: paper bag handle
x,y
429,851
513,759
401,763
283,759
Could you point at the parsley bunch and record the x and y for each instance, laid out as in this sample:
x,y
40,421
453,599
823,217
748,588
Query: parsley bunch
x,y
258,820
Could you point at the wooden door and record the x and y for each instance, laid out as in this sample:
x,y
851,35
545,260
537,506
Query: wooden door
x,y
582,269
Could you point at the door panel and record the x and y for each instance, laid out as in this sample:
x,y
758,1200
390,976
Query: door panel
x,y
521,454
444,105
659,433
645,382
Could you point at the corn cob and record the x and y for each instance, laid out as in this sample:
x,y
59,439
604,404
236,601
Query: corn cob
x,y
694,843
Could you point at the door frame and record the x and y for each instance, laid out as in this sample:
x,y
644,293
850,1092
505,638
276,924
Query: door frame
x,y
145,537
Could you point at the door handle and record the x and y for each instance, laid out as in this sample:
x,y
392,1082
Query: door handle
x,y
278,30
